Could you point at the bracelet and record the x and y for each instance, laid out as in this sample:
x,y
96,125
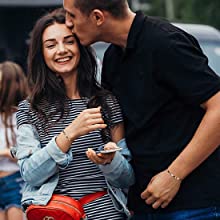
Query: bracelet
x,y
175,177
13,152
66,136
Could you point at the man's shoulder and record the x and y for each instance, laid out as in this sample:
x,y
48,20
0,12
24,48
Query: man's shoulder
x,y
160,25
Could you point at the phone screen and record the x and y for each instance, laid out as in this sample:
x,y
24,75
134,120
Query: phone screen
x,y
110,150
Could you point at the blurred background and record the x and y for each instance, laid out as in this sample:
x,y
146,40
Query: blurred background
x,y
17,18
186,11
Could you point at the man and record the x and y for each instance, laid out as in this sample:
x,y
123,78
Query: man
x,y
171,104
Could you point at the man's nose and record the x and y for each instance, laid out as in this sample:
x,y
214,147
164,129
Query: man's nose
x,y
69,22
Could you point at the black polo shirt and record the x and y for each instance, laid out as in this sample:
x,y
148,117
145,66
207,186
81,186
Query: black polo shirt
x,y
160,79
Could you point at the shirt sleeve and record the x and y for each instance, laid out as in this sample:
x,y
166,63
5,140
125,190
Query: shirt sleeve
x,y
119,173
36,164
22,115
115,110
184,69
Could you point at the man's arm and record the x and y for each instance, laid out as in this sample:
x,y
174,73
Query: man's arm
x,y
163,187
204,142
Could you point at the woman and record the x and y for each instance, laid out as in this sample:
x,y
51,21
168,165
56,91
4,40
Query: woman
x,y
62,119
13,89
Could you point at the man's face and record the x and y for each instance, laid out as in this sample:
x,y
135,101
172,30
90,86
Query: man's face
x,y
81,24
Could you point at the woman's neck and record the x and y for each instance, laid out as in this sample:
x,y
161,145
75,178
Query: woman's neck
x,y
72,91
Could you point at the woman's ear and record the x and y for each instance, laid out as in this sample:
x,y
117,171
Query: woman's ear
x,y
98,16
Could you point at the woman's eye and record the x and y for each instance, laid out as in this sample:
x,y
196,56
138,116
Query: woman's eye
x,y
50,46
70,42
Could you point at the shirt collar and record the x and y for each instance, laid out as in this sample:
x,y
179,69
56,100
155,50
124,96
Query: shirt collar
x,y
135,30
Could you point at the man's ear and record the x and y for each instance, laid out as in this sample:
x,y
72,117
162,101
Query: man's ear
x,y
98,16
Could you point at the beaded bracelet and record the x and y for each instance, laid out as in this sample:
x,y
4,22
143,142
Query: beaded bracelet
x,y
175,177
66,136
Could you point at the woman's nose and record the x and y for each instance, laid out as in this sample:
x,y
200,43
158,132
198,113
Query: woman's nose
x,y
61,48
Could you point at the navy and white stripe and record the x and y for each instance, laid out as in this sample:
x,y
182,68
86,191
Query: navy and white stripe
x,y
82,176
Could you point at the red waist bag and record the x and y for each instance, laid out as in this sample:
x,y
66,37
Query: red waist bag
x,y
62,208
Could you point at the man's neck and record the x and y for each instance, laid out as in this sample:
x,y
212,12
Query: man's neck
x,y
118,30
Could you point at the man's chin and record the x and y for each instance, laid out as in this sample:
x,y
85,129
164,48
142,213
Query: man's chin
x,y
85,42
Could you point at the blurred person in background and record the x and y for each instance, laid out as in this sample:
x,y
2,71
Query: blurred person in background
x,y
170,100
13,89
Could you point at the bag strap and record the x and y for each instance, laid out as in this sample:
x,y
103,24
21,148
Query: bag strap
x,y
91,197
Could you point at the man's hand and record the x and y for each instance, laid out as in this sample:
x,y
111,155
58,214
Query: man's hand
x,y
161,190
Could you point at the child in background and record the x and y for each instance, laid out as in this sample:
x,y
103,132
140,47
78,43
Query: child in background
x,y
13,88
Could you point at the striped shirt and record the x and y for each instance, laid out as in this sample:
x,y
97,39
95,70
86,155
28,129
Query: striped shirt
x,y
81,177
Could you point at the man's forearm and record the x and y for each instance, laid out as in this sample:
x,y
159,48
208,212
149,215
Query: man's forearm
x,y
204,142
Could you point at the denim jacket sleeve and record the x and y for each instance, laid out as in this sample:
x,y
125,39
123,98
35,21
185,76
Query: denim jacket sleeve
x,y
37,164
119,173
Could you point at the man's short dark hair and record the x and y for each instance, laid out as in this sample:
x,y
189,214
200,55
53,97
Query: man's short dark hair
x,y
115,7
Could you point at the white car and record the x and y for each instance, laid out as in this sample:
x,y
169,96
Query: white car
x,y
100,48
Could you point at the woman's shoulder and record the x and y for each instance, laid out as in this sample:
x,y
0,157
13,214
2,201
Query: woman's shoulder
x,y
111,99
23,113
113,103
25,104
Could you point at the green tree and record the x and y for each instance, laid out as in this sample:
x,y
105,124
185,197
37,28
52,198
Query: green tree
x,y
157,8
197,11
190,11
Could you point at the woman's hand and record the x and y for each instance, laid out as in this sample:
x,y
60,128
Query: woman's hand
x,y
88,120
100,158
161,190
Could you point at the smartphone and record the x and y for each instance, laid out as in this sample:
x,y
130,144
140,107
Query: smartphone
x,y
110,150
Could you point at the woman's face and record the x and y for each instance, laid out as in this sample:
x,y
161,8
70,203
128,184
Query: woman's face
x,y
60,49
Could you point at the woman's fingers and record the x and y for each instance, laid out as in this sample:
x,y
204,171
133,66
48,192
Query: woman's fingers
x,y
96,158
88,120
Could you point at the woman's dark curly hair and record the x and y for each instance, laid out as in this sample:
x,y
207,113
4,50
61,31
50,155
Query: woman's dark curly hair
x,y
46,87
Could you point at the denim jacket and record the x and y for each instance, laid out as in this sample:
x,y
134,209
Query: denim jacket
x,y
39,188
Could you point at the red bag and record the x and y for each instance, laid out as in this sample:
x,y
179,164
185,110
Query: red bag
x,y
62,208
